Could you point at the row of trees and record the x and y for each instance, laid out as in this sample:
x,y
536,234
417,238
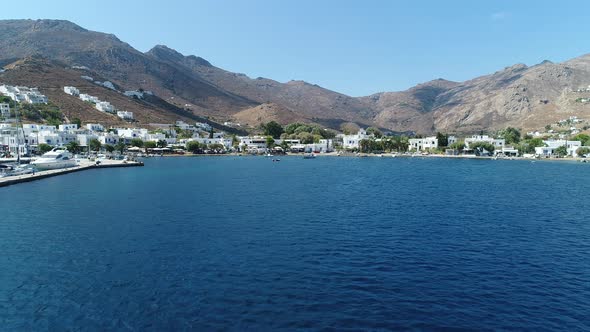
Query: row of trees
x,y
306,133
385,144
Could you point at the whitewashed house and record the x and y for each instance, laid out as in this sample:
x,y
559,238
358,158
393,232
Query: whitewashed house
x,y
552,145
94,127
84,139
105,106
498,143
134,94
421,144
323,146
68,127
73,91
125,115
256,144
88,98
108,138
352,141
4,110
451,140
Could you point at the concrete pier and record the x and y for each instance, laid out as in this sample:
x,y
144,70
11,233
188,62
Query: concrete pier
x,y
84,165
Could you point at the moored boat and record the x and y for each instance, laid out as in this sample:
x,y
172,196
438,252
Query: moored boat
x,y
55,159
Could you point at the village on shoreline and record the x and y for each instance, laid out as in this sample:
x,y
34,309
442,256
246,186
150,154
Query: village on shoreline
x,y
565,139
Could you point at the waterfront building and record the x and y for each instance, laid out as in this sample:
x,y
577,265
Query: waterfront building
x,y
352,141
451,140
254,144
108,138
498,143
551,145
421,144
323,146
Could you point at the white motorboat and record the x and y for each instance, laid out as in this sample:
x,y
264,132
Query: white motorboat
x,y
55,159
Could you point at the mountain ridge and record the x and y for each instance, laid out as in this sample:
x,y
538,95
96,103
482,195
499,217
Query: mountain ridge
x,y
518,95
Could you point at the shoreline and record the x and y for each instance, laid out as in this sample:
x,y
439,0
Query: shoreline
x,y
384,155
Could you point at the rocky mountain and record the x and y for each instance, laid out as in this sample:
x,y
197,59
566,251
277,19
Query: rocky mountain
x,y
52,53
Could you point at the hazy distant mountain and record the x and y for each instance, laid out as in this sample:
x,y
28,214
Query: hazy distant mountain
x,y
526,97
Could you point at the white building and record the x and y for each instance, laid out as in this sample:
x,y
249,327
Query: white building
x,y
73,91
131,133
88,98
226,142
323,146
23,94
498,143
256,144
94,127
84,139
4,110
104,106
125,115
68,127
108,138
134,94
420,144
552,145
352,141
204,126
451,140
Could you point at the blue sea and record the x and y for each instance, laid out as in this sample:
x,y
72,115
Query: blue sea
x,y
331,244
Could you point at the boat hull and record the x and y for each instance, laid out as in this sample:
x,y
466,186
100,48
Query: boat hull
x,y
42,166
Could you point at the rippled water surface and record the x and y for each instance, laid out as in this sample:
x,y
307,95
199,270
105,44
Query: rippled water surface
x,y
244,243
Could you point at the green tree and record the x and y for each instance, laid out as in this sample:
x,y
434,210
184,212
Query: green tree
x,y
74,147
162,143
109,148
137,142
561,151
584,138
528,146
77,121
120,147
270,142
583,151
94,145
511,135
273,129
548,127
481,147
44,148
305,138
459,145
443,139
194,147
375,132
149,145
235,142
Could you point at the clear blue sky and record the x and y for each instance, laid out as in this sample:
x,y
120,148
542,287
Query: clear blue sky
x,y
354,47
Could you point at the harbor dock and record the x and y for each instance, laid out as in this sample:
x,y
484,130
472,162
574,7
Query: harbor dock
x,y
84,165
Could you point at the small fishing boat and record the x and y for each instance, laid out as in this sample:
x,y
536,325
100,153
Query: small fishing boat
x,y
309,156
